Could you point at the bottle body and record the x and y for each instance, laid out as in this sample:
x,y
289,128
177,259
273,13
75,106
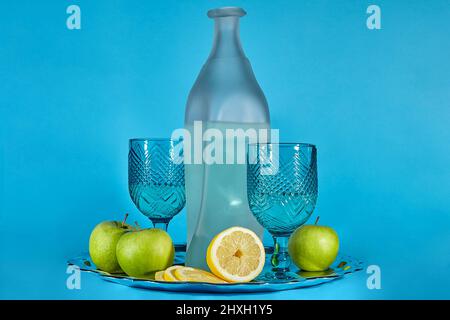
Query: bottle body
x,y
217,198
225,96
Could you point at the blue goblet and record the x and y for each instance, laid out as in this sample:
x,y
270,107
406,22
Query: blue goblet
x,y
282,193
156,179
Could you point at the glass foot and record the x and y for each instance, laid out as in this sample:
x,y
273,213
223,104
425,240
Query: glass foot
x,y
274,275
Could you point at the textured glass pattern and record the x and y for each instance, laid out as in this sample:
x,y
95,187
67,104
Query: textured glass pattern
x,y
282,185
155,179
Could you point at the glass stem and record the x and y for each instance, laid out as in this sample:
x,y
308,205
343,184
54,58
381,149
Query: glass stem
x,y
280,258
160,224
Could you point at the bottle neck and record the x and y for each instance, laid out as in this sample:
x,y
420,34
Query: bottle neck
x,y
227,43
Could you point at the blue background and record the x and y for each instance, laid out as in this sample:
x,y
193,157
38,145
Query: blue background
x,y
376,103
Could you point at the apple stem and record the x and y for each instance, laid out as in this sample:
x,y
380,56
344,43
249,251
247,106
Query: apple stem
x,y
317,220
124,219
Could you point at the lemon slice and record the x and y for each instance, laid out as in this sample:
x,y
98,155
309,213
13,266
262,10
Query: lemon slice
x,y
196,275
236,255
159,276
169,273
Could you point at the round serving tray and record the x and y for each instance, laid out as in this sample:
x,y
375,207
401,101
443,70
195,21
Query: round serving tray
x,y
342,266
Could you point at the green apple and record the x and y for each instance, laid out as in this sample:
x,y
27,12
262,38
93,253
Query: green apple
x,y
102,244
313,247
143,252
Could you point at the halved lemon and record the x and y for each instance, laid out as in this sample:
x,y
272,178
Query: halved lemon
x,y
159,276
169,273
236,255
196,275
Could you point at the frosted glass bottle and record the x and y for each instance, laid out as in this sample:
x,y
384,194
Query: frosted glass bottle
x,y
225,95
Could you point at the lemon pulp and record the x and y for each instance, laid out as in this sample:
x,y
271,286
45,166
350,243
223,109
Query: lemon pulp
x,y
236,255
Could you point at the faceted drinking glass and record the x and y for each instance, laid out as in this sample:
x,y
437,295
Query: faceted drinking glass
x,y
282,193
156,179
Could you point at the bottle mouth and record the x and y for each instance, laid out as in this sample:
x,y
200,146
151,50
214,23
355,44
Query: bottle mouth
x,y
226,12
